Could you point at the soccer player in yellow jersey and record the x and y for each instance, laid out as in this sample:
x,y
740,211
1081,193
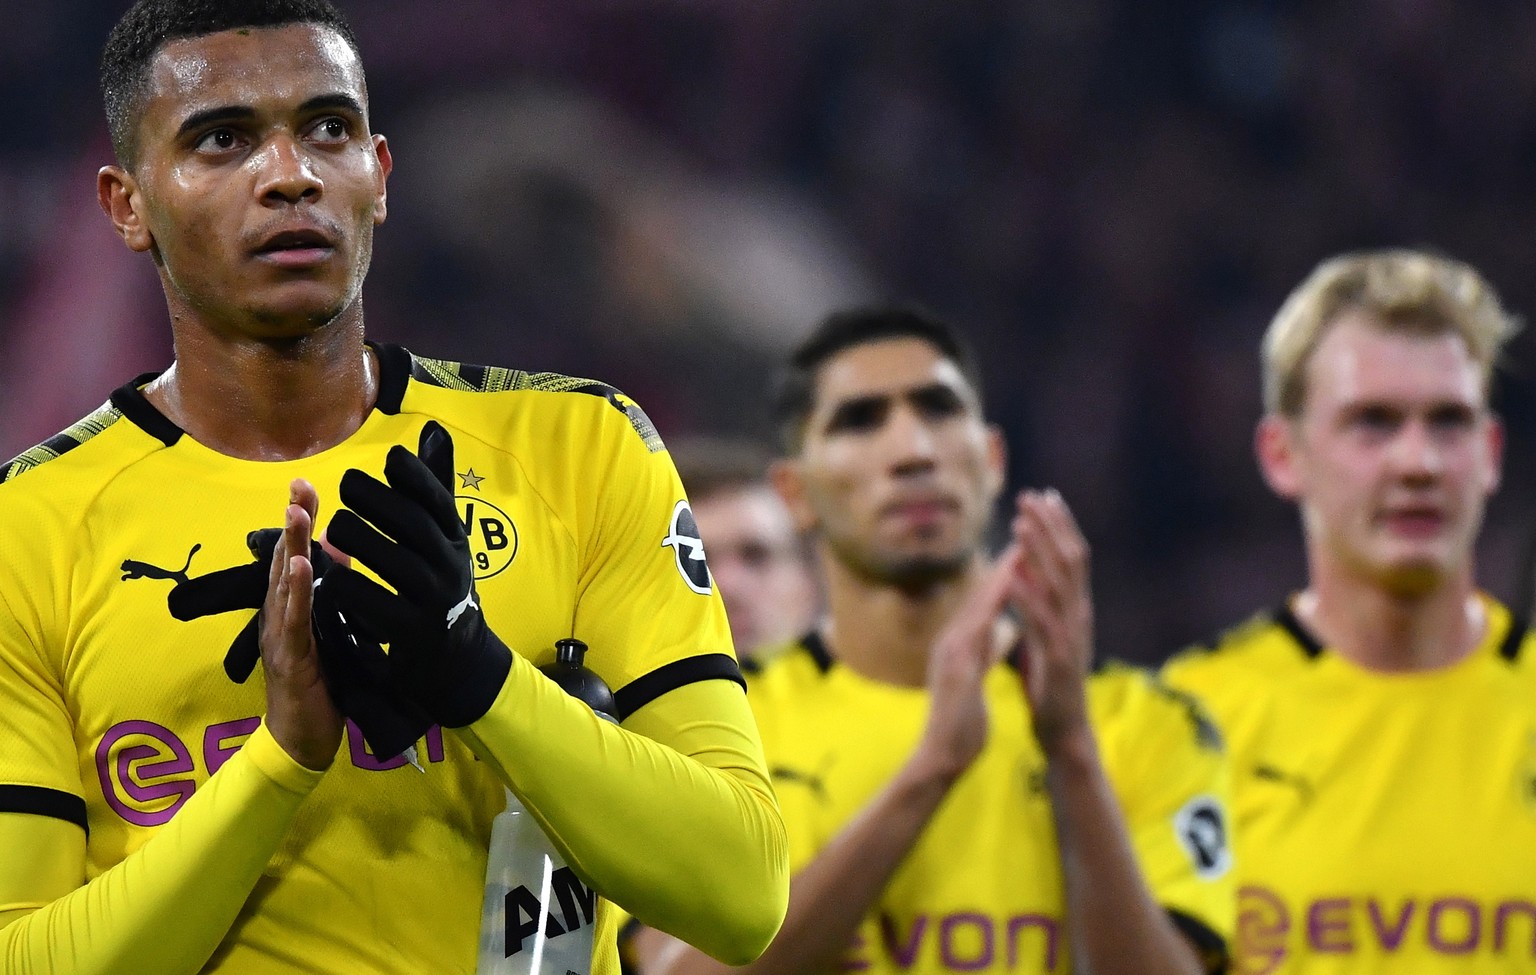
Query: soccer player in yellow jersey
x,y
158,816
1382,721
958,799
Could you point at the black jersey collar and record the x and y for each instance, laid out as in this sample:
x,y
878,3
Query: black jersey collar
x,y
129,398
817,648
394,376
1514,639
1509,647
1287,621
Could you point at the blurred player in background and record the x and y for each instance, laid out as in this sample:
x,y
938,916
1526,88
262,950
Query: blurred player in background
x,y
158,816
946,811
756,556
1382,721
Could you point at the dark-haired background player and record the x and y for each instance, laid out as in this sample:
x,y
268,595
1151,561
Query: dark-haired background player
x,y
946,812
158,817
1382,721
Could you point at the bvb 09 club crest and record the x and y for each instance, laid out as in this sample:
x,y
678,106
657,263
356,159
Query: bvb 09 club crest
x,y
492,535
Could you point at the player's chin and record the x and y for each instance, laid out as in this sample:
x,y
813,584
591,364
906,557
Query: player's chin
x,y
1414,573
299,313
925,566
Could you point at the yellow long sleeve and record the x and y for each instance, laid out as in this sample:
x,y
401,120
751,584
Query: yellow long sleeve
x,y
166,907
671,816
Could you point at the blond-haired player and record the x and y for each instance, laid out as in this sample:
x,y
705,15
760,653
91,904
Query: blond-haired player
x,y
1382,720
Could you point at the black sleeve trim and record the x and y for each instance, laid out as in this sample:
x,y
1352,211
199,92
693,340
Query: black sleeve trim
x,y
394,376
690,670
1211,947
1510,648
627,963
38,801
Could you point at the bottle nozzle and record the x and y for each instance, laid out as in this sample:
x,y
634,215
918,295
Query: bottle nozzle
x,y
570,652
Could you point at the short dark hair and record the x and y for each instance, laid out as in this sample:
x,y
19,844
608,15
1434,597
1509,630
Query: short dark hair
x,y
150,24
710,465
795,390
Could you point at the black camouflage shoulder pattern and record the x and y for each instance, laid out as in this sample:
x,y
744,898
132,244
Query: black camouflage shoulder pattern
x,y
496,379
61,443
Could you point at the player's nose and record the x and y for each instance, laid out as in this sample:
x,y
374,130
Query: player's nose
x,y
285,171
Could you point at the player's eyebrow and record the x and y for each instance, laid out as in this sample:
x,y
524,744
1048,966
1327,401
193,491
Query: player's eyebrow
x,y
338,100
937,396
858,412
221,113
241,113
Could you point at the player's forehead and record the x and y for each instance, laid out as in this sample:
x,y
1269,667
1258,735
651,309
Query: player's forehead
x,y
1360,360
268,69
888,368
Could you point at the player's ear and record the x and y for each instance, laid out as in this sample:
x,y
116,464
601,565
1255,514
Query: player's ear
x,y
118,193
997,460
1494,470
386,166
788,480
1274,442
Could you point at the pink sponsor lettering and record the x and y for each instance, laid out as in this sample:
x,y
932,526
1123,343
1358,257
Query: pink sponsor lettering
x,y
364,759
904,950
967,941
217,747
157,765
435,743
855,961
949,935
1047,926
1447,925
1263,931
1390,937
1328,925
1470,927
1501,918
145,773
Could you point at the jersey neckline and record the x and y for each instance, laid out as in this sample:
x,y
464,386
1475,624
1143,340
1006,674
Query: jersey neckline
x,y
129,399
1505,645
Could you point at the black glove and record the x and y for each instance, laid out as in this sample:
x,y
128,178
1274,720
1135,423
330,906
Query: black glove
x,y
440,650
356,673
239,587
362,684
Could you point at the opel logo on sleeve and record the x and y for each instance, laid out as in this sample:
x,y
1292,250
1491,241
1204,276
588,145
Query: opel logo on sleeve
x,y
1201,826
688,549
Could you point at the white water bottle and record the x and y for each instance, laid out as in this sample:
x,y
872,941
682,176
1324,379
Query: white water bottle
x,y
538,917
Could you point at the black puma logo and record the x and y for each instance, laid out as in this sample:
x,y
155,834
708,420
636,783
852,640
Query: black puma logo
x,y
1281,777
143,570
811,781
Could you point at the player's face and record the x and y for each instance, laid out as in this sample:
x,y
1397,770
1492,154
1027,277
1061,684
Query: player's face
x,y
755,559
1393,457
898,471
258,184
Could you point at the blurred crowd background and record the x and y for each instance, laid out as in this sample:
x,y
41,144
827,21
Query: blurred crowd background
x,y
1111,197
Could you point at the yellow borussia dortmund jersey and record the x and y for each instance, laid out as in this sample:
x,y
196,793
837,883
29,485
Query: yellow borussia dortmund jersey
x,y
112,713
1384,822
982,889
